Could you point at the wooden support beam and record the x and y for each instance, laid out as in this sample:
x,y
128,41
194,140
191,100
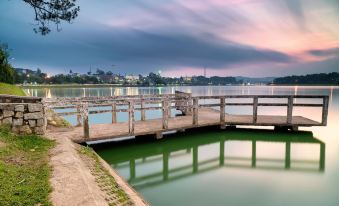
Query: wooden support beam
x,y
255,110
195,111
79,119
143,112
289,109
325,111
222,113
114,113
85,120
131,117
164,114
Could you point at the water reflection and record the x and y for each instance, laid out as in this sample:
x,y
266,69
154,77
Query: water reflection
x,y
136,156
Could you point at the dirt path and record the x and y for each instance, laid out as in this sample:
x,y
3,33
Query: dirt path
x,y
72,179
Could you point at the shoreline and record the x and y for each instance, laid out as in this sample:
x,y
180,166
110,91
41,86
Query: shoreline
x,y
156,86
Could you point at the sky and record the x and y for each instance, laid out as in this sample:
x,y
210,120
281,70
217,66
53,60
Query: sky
x,y
254,38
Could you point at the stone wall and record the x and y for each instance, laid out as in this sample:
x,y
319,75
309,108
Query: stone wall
x,y
24,118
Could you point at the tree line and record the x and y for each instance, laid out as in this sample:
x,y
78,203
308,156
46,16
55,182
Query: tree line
x,y
309,79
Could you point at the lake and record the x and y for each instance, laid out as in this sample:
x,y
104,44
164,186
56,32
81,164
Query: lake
x,y
246,166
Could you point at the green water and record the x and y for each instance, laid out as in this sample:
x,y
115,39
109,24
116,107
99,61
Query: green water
x,y
252,166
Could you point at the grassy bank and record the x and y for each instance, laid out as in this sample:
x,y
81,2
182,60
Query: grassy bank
x,y
11,89
24,169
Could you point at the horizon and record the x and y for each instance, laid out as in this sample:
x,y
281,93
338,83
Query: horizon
x,y
248,38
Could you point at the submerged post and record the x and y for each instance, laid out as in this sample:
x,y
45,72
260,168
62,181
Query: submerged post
x,y
255,110
85,120
114,113
79,115
164,114
195,110
143,115
325,111
130,117
289,109
222,113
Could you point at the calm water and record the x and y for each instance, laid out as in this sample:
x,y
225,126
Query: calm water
x,y
238,167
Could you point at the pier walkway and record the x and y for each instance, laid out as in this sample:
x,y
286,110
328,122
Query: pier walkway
x,y
195,113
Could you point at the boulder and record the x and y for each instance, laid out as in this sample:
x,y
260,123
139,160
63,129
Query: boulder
x,y
39,130
34,115
25,130
17,122
7,113
7,120
40,122
19,114
19,108
35,107
32,123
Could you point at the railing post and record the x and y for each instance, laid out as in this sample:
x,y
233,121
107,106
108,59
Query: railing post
x,y
85,120
222,113
79,115
130,117
195,110
143,115
164,114
289,110
114,113
325,111
255,110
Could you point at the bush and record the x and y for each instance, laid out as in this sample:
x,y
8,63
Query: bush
x,y
7,73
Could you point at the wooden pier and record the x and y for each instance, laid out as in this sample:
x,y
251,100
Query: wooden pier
x,y
195,113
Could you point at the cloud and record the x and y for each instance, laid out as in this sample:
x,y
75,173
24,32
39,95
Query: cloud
x,y
332,52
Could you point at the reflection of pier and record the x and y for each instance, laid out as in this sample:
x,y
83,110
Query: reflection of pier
x,y
166,154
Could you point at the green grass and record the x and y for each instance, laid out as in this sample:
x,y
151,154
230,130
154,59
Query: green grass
x,y
24,169
11,89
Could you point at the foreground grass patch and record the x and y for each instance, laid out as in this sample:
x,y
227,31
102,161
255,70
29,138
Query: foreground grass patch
x,y
11,89
24,169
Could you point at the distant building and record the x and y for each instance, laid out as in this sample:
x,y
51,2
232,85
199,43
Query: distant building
x,y
132,78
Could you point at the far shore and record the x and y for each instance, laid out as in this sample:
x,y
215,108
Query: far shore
x,y
31,86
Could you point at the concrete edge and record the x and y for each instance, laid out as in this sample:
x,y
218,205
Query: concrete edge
x,y
136,198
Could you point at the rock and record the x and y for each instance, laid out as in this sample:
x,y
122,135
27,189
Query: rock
x,y
32,123
19,108
35,115
8,107
39,130
25,130
35,107
7,120
18,122
16,129
19,115
7,113
52,123
40,122
1,116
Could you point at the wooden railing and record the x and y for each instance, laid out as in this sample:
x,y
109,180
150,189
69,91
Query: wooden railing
x,y
184,102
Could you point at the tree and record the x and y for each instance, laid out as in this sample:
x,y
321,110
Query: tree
x,y
7,73
54,11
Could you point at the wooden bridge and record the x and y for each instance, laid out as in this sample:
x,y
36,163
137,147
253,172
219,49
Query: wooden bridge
x,y
195,112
